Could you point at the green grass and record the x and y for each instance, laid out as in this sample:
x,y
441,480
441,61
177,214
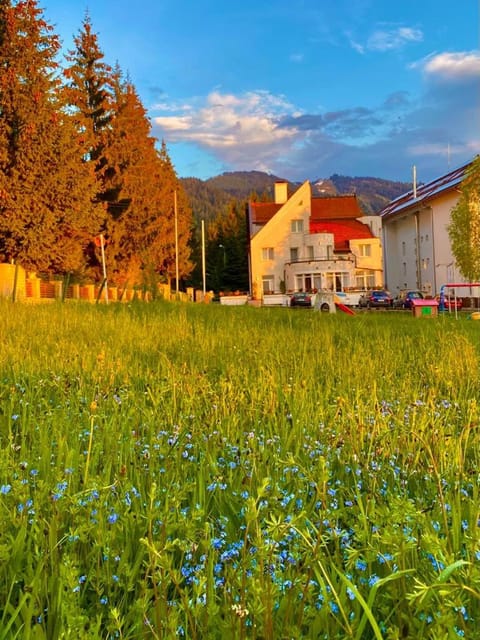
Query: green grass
x,y
190,471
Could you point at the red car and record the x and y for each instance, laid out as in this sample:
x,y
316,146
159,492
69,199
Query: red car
x,y
451,303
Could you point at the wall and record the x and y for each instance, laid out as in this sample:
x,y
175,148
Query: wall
x,y
276,233
417,250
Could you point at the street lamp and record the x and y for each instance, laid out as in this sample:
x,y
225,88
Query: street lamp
x,y
220,246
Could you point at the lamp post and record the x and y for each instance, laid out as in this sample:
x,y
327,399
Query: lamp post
x,y
176,242
204,273
221,246
222,270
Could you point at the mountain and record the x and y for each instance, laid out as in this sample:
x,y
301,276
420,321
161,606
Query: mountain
x,y
372,193
241,184
208,197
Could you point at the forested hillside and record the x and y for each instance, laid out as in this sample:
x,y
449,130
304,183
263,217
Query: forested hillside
x,y
242,184
373,193
207,196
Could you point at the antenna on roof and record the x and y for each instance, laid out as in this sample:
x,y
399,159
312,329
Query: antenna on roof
x,y
448,156
414,181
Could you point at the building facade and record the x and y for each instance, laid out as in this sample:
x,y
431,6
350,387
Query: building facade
x,y
300,243
417,251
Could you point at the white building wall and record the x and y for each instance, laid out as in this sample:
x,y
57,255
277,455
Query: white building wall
x,y
277,234
417,251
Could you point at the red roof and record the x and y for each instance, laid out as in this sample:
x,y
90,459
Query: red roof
x,y
262,212
343,230
336,207
329,207
333,214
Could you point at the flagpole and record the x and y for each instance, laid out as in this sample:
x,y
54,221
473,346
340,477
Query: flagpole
x,y
104,266
176,243
204,274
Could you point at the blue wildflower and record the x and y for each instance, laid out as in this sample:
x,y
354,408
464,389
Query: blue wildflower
x,y
361,565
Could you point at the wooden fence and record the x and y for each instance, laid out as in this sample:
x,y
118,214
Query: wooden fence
x,y
19,285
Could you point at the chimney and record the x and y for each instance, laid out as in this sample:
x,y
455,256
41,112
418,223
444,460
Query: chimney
x,y
281,192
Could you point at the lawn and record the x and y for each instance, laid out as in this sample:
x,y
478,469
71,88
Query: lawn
x,y
199,471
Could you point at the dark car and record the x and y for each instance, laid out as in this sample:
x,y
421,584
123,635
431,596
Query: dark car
x,y
301,299
375,299
404,299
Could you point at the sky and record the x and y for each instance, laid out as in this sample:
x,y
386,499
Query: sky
x,y
301,89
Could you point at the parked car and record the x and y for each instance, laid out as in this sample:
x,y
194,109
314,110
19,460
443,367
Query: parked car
x,y
375,299
404,299
450,303
301,299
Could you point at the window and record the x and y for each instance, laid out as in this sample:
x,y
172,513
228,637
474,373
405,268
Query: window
x,y
364,280
268,284
403,248
293,254
310,253
336,281
365,250
296,226
267,253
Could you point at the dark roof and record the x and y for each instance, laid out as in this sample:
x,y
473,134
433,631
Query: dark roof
x,y
425,192
343,230
327,207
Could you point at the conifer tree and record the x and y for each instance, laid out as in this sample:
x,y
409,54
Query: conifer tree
x,y
160,243
46,212
136,182
89,88
133,164
227,253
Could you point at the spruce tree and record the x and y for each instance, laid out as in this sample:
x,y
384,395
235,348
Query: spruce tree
x,y
133,164
89,89
46,213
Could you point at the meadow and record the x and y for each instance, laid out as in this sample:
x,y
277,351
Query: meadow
x,y
202,472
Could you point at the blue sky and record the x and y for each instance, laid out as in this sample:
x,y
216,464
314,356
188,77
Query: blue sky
x,y
301,89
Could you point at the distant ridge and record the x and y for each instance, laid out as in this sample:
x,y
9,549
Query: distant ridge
x,y
210,196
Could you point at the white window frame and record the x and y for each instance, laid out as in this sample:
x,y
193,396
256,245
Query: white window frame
x,y
364,280
268,253
365,250
296,226
268,284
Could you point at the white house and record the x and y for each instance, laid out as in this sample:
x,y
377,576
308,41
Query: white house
x,y
312,243
417,251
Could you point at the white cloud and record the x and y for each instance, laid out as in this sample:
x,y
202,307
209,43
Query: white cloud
x,y
389,39
232,125
463,64
263,131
